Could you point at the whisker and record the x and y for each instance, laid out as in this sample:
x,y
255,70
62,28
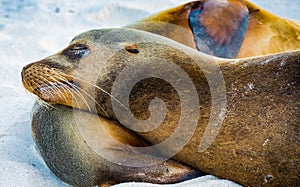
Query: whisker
x,y
66,88
75,90
45,104
54,87
78,90
61,78
101,89
43,91
79,95
37,99
92,98
28,93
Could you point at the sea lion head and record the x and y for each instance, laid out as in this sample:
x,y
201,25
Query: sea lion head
x,y
82,75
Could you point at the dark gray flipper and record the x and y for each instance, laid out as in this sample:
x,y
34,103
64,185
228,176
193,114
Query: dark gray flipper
x,y
219,27
57,133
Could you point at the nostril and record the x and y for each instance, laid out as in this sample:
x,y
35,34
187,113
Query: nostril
x,y
27,66
26,70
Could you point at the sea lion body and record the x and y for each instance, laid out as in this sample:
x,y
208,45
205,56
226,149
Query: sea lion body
x,y
265,34
256,101
257,144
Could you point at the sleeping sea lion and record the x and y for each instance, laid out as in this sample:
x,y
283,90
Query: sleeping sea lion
x,y
256,144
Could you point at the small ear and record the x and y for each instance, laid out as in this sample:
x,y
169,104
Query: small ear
x,y
219,26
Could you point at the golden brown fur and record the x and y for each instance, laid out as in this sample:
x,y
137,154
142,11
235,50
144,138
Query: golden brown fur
x,y
266,34
257,144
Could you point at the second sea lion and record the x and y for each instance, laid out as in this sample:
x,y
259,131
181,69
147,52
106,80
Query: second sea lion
x,y
230,28
87,150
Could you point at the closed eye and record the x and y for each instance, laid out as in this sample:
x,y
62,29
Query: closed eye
x,y
132,48
76,51
134,51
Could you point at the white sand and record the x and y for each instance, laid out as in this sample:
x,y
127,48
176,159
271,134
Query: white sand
x,y
33,29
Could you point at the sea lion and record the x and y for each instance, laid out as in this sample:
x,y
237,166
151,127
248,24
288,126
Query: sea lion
x,y
257,144
69,78
61,139
229,28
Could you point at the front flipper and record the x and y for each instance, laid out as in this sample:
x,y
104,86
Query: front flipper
x,y
215,27
84,150
219,26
